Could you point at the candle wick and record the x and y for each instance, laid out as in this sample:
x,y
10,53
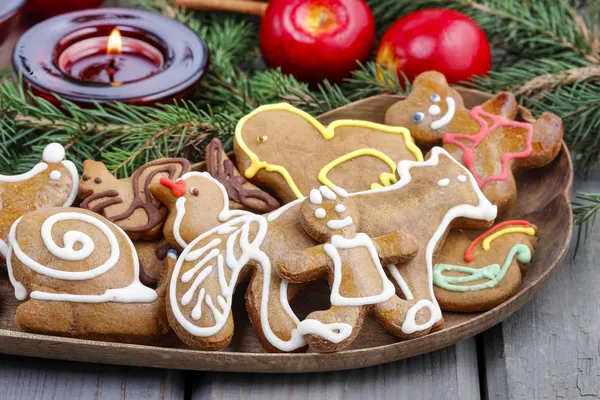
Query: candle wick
x,y
112,63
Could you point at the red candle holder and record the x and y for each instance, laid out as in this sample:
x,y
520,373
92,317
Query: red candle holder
x,y
107,55
9,9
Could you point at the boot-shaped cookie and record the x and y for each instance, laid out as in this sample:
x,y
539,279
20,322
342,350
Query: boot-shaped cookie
x,y
288,152
51,183
128,202
486,139
479,274
78,275
353,263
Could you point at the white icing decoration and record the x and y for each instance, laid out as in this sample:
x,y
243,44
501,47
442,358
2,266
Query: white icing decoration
x,y
360,240
224,215
53,153
434,110
400,281
461,178
445,120
172,255
334,332
340,208
37,169
320,213
340,192
135,292
55,175
443,182
483,211
327,193
281,210
339,223
315,197
410,325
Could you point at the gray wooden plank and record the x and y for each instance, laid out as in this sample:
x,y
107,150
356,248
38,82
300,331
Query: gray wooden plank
x,y
449,373
40,379
551,348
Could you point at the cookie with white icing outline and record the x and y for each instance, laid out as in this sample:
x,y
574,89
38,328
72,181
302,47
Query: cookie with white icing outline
x,y
52,182
78,275
477,271
288,152
486,139
351,261
128,202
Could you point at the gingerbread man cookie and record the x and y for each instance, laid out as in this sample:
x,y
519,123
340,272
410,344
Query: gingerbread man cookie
x,y
353,262
486,139
78,275
240,191
51,183
288,152
479,274
128,202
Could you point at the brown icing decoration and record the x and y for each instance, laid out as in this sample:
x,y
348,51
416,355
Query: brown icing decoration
x,y
223,170
162,251
153,209
85,177
195,191
146,279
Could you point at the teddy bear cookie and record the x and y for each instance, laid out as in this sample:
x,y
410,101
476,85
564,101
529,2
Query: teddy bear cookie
x,y
486,139
242,193
288,152
52,182
78,275
479,274
128,202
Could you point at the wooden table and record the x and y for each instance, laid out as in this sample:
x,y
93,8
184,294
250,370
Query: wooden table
x,y
550,349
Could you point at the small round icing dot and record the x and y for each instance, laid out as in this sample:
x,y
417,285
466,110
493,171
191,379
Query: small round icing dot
x,y
435,97
320,213
462,178
443,182
340,208
262,139
434,110
53,153
55,175
418,117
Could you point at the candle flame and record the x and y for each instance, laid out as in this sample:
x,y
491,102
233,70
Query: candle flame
x,y
115,42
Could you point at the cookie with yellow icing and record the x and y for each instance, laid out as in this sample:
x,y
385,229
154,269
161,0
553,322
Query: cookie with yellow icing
x,y
478,271
288,152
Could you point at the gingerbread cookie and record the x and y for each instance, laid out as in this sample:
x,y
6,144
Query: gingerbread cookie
x,y
486,139
151,256
479,274
128,202
242,193
51,183
353,263
78,274
288,152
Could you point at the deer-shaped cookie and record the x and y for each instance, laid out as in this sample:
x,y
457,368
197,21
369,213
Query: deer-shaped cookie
x,y
486,139
476,272
52,182
78,275
353,263
128,202
288,152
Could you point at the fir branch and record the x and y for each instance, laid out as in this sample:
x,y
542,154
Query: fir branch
x,y
584,215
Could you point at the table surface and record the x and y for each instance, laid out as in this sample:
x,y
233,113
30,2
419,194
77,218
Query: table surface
x,y
550,349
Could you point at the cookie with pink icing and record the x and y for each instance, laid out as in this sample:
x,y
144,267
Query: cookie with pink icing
x,y
53,182
493,140
78,275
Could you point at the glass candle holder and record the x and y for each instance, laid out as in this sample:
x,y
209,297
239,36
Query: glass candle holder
x,y
107,55
9,9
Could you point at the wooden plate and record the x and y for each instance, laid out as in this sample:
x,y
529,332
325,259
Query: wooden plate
x,y
543,199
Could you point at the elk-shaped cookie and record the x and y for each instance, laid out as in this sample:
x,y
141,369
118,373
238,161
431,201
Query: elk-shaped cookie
x,y
242,193
353,263
51,183
479,274
288,152
486,139
78,275
128,202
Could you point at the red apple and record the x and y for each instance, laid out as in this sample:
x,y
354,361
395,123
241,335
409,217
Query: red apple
x,y
435,39
317,39
42,9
